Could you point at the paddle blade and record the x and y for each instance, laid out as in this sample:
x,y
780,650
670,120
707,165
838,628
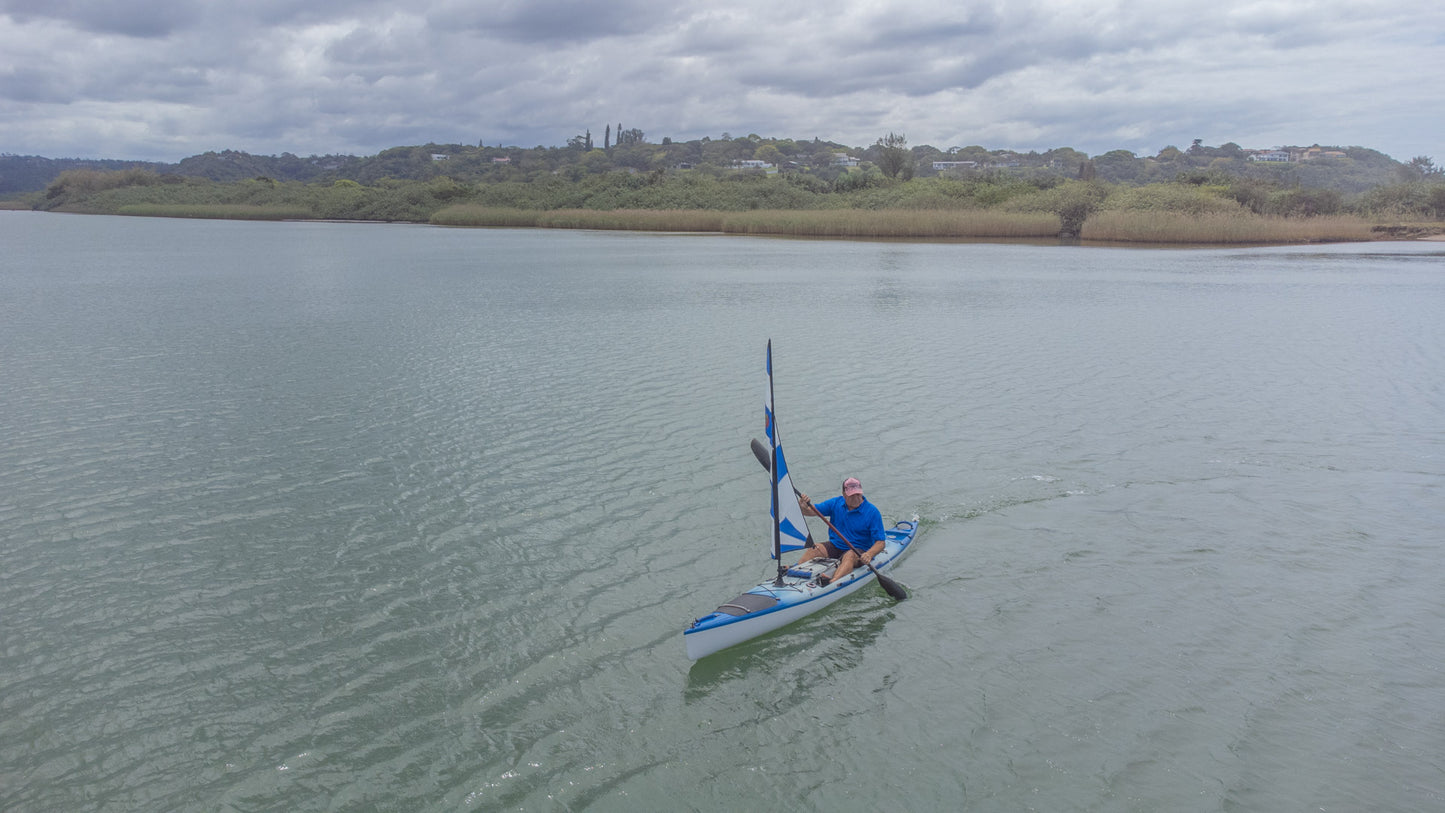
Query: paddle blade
x,y
761,453
891,587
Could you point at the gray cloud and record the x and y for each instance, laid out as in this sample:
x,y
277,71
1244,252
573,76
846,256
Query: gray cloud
x,y
161,81
102,17
545,22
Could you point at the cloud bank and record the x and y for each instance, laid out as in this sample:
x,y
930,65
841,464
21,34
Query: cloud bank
x,y
160,81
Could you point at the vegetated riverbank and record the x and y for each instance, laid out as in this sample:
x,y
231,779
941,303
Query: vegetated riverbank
x,y
1104,227
981,209
923,224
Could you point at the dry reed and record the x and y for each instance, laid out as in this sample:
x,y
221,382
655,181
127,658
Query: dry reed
x,y
1175,227
1109,226
633,219
901,223
217,211
797,222
627,219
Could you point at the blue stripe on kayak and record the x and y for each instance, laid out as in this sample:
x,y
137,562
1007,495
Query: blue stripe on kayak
x,y
780,606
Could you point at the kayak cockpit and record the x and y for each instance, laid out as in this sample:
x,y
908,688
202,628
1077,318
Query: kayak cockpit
x,y
813,568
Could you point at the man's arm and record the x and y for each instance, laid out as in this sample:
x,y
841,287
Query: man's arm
x,y
876,531
807,505
874,551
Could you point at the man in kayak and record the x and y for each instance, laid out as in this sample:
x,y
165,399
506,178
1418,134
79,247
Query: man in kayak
x,y
856,518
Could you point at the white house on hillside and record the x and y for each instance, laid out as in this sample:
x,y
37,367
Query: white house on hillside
x,y
1272,156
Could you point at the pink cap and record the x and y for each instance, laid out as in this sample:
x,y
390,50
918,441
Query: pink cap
x,y
851,486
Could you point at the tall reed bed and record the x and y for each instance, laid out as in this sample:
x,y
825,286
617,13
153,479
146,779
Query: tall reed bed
x,y
217,211
465,214
903,223
796,222
636,219
1130,226
1176,227
633,219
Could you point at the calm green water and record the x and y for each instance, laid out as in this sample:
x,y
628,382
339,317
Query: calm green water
x,y
360,517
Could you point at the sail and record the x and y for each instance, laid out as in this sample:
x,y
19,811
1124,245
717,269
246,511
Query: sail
x,y
791,529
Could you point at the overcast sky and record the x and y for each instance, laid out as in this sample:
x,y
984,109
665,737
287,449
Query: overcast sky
x,y
161,80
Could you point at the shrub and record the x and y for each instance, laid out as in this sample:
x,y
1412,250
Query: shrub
x,y
1305,202
73,184
1172,197
1072,201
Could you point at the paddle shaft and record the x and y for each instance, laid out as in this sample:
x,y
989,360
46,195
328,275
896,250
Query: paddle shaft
x,y
890,587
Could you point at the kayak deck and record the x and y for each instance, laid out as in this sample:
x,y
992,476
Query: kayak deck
x,y
771,604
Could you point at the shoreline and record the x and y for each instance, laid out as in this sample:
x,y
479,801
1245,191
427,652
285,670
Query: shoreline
x,y
1120,229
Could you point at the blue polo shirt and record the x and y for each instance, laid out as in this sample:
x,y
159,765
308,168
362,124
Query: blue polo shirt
x,y
863,525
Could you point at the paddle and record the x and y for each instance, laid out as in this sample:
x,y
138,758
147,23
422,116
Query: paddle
x,y
889,586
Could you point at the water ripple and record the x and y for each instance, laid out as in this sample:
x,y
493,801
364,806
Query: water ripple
x,y
412,519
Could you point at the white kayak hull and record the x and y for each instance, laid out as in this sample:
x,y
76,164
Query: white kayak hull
x,y
770,605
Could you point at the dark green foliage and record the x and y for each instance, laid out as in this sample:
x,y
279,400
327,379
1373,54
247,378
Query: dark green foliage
x,y
1416,199
1421,168
1306,202
413,183
892,156
1362,169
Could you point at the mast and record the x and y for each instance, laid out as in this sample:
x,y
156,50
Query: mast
x,y
773,474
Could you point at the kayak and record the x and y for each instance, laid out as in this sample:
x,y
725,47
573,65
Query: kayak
x,y
794,594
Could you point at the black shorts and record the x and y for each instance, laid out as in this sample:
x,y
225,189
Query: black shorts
x,y
833,552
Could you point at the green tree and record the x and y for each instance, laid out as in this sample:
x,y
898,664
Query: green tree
x,y
1118,166
596,161
1435,199
769,153
894,159
1421,167
1065,157
1232,150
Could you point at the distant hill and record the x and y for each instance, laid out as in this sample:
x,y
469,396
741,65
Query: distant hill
x,y
230,165
31,173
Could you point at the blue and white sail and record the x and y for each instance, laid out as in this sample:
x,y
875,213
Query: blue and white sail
x,y
790,527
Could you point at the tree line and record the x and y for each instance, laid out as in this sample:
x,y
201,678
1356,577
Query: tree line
x,y
628,150
411,183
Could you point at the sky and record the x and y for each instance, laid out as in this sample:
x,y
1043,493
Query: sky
x,y
161,80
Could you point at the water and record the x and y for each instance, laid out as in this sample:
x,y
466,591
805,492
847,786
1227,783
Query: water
x,y
364,517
